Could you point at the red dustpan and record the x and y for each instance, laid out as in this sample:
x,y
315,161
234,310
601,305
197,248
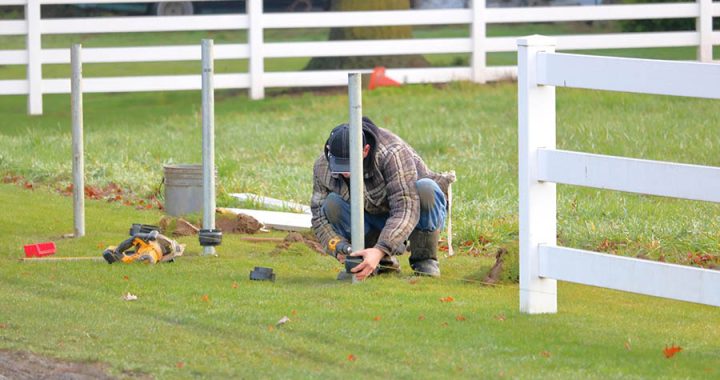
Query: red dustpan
x,y
39,249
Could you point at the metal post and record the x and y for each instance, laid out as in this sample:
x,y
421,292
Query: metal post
x,y
538,202
208,139
78,164
357,190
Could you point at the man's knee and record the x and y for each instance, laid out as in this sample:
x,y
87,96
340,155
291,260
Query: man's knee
x,y
333,208
428,191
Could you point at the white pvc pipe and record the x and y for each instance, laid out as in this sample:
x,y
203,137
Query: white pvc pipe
x,y
78,165
208,140
357,217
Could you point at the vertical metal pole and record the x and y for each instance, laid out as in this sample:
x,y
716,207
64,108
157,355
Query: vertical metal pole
x,y
538,202
78,164
357,190
208,139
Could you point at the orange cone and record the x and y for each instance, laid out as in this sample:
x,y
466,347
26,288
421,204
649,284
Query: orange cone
x,y
378,79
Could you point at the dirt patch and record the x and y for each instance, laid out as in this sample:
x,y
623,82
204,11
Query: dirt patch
x,y
24,365
238,224
296,237
185,228
228,224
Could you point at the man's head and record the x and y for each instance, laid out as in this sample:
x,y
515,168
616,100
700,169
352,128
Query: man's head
x,y
337,149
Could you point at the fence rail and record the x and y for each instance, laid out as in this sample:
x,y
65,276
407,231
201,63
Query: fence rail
x,y
541,166
256,50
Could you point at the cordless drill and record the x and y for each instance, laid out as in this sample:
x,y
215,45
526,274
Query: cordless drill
x,y
338,246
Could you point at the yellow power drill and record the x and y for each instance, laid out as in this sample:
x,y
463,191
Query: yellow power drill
x,y
147,247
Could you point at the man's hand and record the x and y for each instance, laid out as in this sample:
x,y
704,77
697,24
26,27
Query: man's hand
x,y
341,258
371,259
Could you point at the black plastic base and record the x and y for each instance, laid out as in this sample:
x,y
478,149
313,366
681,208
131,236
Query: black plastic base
x,y
142,228
352,262
262,274
210,238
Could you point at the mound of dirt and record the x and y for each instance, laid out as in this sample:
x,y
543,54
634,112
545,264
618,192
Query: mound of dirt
x,y
25,365
228,224
296,237
238,224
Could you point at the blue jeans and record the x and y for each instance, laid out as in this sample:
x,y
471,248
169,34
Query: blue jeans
x,y
433,210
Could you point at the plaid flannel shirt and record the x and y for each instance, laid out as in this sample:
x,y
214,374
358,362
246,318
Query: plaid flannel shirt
x,y
390,173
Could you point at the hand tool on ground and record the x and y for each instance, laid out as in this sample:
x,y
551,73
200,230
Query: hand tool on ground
x,y
148,247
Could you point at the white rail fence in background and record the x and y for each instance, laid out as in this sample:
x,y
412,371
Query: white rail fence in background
x,y
256,50
541,166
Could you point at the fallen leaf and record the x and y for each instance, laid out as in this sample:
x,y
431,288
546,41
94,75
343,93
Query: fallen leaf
x,y
444,324
28,185
100,245
282,321
92,192
293,312
129,297
377,318
3,326
421,317
352,357
412,281
235,285
545,354
205,298
447,299
671,351
271,328
500,317
459,317
179,364
126,278
628,344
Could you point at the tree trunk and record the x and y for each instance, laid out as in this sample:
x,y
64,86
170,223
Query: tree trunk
x,y
368,33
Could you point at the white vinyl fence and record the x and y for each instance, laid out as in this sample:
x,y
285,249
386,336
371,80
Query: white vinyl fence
x,y
256,50
541,166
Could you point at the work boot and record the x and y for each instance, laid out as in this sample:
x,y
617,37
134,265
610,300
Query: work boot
x,y
423,252
388,264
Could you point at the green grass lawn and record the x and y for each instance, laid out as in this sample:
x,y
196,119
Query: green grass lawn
x,y
202,317
73,309
268,147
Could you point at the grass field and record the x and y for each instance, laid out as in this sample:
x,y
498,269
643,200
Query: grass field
x,y
268,147
201,317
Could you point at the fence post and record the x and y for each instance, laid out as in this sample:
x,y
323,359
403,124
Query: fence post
x,y
536,128
704,27
208,138
255,43
34,55
357,205
478,41
78,158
